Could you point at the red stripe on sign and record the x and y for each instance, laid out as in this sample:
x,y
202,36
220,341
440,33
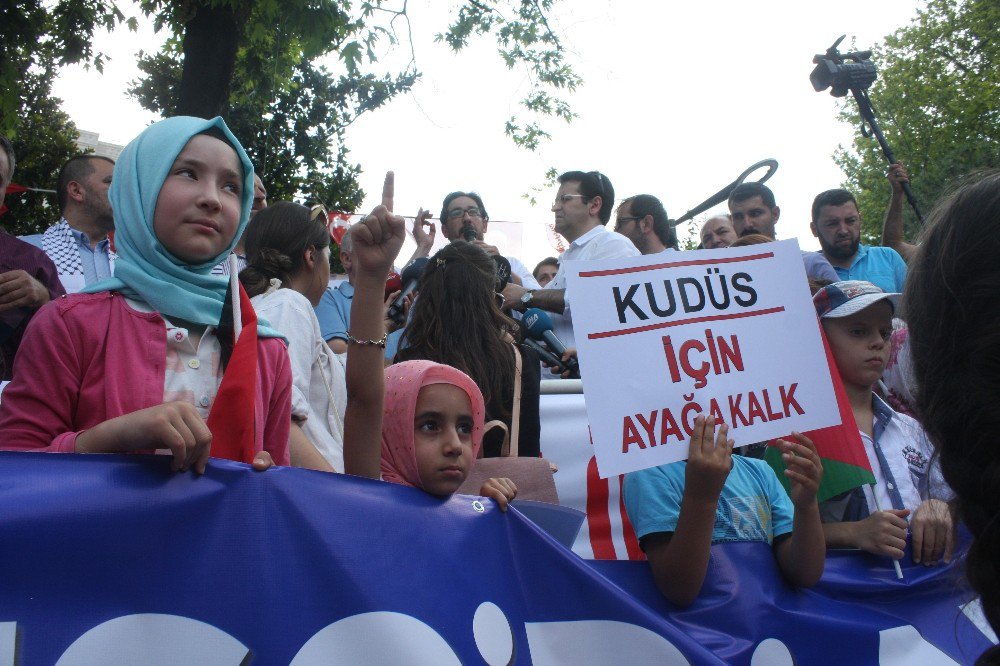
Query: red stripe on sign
x,y
628,532
598,518
681,322
674,264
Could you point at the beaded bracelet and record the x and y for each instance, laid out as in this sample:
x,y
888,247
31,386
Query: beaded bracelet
x,y
368,343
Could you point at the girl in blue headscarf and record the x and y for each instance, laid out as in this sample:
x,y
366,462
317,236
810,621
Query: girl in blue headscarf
x,y
135,364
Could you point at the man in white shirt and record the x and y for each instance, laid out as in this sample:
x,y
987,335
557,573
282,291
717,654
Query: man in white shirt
x,y
643,220
582,208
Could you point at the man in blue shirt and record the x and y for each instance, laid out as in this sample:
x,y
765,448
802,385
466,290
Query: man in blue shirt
x,y
836,222
78,244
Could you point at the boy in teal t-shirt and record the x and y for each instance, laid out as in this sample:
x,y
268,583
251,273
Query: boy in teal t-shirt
x,y
680,509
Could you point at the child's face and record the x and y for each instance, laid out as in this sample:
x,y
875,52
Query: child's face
x,y
860,343
442,431
198,209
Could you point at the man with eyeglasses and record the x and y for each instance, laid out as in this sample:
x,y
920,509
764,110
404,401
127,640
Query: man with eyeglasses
x,y
643,220
464,217
582,208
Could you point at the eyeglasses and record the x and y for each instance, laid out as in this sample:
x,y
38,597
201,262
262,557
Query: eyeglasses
x,y
621,221
458,213
564,199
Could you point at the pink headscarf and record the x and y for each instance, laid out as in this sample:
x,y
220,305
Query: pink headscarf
x,y
403,382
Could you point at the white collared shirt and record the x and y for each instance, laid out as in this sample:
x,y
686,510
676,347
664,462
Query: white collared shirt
x,y
598,243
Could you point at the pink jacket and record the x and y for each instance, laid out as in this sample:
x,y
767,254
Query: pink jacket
x,y
87,358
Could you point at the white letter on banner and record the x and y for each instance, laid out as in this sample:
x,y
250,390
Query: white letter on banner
x,y
974,611
376,638
495,640
599,642
772,652
153,639
8,643
905,645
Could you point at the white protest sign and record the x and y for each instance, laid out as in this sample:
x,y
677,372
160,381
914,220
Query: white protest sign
x,y
663,338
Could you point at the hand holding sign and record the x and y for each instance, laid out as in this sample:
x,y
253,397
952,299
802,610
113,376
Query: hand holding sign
x,y
802,467
710,457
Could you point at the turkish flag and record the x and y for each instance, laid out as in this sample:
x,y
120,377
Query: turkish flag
x,y
232,419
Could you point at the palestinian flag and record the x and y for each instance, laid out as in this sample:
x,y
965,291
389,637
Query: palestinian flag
x,y
845,464
232,417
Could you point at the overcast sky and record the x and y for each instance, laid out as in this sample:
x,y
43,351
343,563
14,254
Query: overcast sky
x,y
678,99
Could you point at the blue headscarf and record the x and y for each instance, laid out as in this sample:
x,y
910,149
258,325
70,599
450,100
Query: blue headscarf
x,y
145,270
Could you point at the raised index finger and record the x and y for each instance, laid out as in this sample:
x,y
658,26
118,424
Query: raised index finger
x,y
388,190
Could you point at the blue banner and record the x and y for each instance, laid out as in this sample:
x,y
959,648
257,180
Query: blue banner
x,y
109,559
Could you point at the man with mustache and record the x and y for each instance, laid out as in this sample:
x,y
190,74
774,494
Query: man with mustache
x,y
836,222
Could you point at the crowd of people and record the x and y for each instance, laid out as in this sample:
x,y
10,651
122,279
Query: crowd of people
x,y
119,335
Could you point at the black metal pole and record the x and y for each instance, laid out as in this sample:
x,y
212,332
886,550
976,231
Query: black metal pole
x,y
868,117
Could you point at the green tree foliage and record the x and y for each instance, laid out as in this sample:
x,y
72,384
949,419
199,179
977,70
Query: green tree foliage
x,y
37,37
938,102
290,114
253,62
524,38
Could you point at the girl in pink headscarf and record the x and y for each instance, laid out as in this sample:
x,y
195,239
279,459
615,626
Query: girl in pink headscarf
x,y
432,429
421,423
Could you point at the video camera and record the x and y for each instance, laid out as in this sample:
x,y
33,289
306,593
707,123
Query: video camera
x,y
843,71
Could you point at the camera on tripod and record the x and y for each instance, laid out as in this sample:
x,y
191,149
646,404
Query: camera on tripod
x,y
842,71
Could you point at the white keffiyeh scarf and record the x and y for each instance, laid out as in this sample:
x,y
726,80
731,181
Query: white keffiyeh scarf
x,y
63,249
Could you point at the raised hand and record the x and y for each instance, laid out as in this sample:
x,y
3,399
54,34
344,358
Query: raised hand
x,y
376,240
424,239
897,175
802,467
710,458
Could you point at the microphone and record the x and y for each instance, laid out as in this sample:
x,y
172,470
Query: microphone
x,y
470,235
503,272
410,279
539,327
548,358
393,283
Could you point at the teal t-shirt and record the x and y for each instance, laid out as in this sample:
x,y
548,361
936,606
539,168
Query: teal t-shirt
x,y
752,507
